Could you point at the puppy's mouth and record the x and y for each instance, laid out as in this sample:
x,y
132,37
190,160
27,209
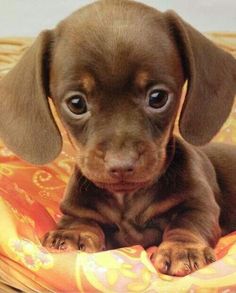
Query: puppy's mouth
x,y
122,186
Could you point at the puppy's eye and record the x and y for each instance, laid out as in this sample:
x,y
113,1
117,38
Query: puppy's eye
x,y
77,104
158,98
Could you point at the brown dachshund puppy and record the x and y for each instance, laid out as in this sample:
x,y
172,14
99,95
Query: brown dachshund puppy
x,y
115,71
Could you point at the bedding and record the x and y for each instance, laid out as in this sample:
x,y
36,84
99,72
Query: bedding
x,y
29,207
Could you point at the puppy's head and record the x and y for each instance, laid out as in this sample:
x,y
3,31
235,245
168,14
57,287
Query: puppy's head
x,y
115,71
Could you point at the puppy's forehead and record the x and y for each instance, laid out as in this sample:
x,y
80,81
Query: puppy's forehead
x,y
113,40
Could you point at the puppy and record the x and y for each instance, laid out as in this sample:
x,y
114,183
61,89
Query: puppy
x,y
115,70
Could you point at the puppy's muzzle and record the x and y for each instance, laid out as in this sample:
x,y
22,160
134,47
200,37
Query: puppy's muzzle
x,y
120,167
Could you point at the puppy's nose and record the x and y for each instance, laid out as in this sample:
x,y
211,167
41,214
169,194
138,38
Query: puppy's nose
x,y
118,168
121,170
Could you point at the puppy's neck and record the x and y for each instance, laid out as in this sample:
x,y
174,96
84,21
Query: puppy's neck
x,y
119,196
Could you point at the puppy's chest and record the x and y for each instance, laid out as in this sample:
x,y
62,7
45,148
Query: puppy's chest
x,y
129,224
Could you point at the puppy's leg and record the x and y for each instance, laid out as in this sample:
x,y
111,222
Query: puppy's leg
x,y
180,258
189,239
78,228
73,234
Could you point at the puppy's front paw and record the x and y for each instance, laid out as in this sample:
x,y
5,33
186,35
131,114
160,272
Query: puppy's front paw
x,y
73,239
180,259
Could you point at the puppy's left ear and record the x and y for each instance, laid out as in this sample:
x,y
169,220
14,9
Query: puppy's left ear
x,y
211,75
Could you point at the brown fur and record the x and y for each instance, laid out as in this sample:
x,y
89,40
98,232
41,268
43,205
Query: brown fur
x,y
134,182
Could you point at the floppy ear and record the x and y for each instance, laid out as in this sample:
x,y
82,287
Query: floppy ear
x,y
211,75
26,122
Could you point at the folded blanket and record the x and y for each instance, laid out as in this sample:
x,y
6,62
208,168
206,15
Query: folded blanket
x,y
29,201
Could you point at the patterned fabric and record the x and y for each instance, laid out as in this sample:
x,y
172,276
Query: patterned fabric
x,y
29,200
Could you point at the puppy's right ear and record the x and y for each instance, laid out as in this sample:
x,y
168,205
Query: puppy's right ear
x,y
27,126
